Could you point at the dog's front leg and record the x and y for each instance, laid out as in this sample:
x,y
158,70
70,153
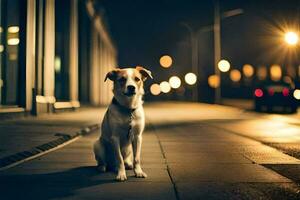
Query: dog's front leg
x,y
137,144
119,158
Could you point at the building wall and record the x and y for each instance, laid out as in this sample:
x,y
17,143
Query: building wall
x,y
41,61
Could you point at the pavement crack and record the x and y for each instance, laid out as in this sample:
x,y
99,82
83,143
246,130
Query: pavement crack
x,y
166,163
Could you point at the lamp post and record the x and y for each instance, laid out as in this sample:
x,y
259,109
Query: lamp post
x,y
217,41
194,57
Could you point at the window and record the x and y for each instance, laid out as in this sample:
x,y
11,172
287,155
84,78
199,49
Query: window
x,y
12,37
62,49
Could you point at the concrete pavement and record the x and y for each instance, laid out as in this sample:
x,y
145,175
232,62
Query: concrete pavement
x,y
23,138
187,154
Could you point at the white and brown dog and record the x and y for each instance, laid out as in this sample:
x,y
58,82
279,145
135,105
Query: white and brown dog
x,y
119,145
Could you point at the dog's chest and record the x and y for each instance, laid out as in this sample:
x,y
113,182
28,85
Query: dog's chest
x,y
129,124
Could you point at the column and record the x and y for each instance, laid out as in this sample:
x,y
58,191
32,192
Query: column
x,y
49,48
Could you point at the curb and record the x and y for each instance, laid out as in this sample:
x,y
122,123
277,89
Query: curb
x,y
20,157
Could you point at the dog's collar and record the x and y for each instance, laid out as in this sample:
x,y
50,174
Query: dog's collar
x,y
122,108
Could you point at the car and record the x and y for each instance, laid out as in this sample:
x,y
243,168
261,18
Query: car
x,y
271,96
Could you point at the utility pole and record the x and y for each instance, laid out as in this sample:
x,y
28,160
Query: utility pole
x,y
194,58
217,47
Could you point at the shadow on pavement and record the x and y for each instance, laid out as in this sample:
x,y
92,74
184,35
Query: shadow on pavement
x,y
45,186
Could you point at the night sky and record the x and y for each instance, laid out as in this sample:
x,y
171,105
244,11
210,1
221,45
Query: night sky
x,y
145,30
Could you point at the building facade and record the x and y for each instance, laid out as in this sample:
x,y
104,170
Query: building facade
x,y
54,54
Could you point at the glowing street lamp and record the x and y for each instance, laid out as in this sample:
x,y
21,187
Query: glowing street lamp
x,y
214,81
223,65
165,87
166,61
275,72
175,82
155,89
190,78
248,70
291,38
235,75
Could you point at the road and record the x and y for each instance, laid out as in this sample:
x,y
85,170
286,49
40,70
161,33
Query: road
x,y
190,151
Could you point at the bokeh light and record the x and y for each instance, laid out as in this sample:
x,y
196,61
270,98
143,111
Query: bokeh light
x,y
165,87
235,75
224,66
166,61
190,78
291,38
13,29
262,73
296,94
175,82
214,81
155,89
248,70
275,72
258,93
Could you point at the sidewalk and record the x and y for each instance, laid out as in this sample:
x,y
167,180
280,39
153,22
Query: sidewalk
x,y
184,155
30,136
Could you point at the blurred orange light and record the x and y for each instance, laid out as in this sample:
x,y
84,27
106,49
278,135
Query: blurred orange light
x,y
262,73
248,70
235,75
275,72
155,89
214,81
166,61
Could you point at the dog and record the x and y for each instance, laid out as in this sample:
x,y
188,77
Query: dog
x,y
119,146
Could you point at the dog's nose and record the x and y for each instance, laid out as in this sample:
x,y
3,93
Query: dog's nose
x,y
130,88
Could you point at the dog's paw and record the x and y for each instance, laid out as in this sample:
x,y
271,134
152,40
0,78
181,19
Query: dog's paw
x,y
121,176
140,174
101,168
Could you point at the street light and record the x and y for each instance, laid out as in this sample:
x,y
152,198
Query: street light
x,y
291,38
166,61
214,81
165,87
190,78
248,70
175,82
217,40
155,89
194,56
224,65
235,75
275,72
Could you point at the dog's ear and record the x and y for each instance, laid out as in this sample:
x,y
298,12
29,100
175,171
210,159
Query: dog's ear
x,y
112,75
144,72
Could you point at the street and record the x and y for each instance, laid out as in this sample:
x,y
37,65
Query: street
x,y
190,151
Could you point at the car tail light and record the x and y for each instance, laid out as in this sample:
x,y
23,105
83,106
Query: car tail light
x,y
271,91
285,92
258,93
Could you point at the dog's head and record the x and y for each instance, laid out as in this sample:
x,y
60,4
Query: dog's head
x,y
128,84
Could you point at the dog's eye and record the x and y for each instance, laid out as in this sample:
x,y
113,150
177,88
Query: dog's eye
x,y
137,79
